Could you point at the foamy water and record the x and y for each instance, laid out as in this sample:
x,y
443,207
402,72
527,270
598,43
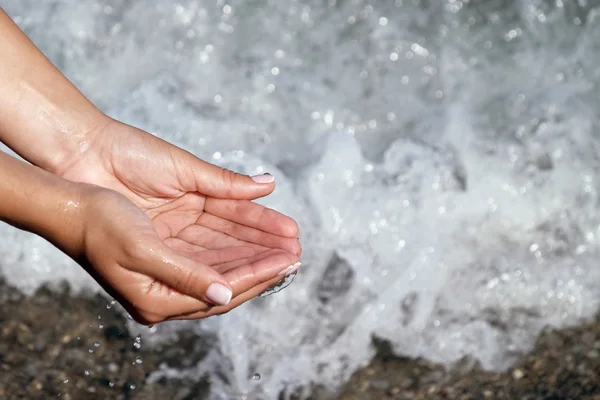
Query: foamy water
x,y
441,158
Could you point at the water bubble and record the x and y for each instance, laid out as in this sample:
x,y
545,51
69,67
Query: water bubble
x,y
137,343
139,360
256,377
109,305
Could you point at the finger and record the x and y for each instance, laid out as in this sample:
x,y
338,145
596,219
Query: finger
x,y
235,302
180,273
210,257
248,234
253,215
156,301
227,266
219,182
261,270
210,239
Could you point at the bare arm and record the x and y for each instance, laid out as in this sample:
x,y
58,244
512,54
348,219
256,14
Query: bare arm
x,y
43,117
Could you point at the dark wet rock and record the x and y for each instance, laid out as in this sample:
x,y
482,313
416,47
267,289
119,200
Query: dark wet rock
x,y
55,345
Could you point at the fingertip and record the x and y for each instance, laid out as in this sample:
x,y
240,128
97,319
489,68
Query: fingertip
x,y
292,229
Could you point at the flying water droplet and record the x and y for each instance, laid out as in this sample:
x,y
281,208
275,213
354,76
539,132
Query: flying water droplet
x,y
139,360
87,372
132,387
109,305
137,343
256,377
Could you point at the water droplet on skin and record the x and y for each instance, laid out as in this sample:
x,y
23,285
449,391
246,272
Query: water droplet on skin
x,y
256,377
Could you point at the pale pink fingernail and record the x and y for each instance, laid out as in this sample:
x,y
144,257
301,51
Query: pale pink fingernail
x,y
265,178
291,269
218,294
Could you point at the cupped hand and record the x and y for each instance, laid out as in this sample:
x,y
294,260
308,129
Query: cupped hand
x,y
190,238
122,251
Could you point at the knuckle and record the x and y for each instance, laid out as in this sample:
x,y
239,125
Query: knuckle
x,y
185,280
229,178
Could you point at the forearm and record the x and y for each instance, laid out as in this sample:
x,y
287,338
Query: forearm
x,y
43,117
42,203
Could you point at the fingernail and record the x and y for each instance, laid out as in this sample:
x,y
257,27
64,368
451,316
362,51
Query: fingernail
x,y
265,178
291,269
218,294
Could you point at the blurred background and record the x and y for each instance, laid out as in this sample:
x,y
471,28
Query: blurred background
x,y
441,158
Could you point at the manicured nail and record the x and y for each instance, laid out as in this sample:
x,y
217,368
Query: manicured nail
x,y
265,178
218,294
291,269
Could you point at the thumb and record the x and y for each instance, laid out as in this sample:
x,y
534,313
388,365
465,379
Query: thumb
x,y
185,275
219,182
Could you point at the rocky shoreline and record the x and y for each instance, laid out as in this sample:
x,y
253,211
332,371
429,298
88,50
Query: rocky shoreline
x,y
54,344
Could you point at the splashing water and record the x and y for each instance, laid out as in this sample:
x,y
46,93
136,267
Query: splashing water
x,y
440,157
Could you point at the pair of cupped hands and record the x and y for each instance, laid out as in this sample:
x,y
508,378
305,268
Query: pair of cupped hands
x,y
171,236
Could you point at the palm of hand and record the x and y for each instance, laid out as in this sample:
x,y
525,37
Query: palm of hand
x,y
239,239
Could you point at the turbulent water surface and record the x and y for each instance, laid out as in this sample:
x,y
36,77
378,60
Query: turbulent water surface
x,y
441,158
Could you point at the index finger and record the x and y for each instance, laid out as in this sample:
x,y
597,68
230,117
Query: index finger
x,y
253,215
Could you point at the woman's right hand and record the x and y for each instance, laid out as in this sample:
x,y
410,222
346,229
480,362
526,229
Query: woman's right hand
x,y
120,248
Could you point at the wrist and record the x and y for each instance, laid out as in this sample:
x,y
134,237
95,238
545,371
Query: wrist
x,y
42,203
